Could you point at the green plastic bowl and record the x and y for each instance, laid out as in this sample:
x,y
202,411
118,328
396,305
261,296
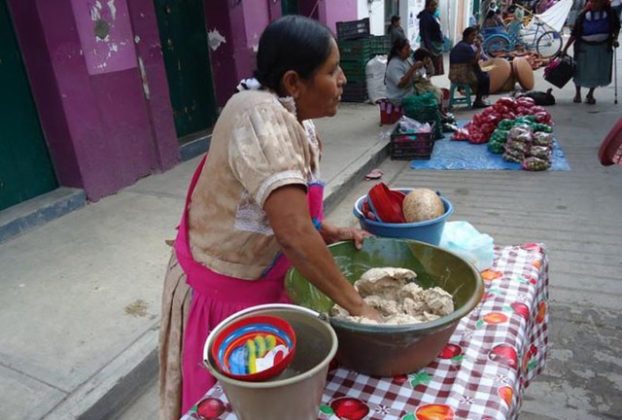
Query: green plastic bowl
x,y
389,350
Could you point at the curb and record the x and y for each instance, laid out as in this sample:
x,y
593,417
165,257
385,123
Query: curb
x,y
111,390
44,208
39,210
353,174
116,385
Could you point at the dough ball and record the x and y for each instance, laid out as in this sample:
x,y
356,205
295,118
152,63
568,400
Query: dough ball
x,y
438,301
385,282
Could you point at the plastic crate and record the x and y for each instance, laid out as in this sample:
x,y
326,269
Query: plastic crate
x,y
354,97
379,45
354,71
353,86
364,48
411,145
354,94
353,29
355,49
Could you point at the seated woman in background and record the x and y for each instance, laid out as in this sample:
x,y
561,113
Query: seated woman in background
x,y
400,72
406,76
464,66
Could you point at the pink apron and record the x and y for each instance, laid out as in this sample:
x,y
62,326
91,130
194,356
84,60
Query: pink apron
x,y
216,296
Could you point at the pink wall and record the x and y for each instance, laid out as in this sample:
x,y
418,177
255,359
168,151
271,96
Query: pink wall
x,y
257,17
155,83
93,111
331,12
221,16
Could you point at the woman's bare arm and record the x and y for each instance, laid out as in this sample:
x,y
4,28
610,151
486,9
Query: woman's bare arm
x,y
288,213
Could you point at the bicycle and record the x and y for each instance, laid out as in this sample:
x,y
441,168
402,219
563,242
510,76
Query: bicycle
x,y
547,43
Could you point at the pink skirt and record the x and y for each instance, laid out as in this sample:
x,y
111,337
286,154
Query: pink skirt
x,y
215,298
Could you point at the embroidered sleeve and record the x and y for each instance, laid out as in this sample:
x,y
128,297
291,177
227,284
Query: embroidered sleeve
x,y
268,150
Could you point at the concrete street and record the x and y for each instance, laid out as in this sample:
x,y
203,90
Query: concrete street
x,y
80,295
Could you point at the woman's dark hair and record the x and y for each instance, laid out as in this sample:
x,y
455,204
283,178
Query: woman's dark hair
x,y
468,31
428,3
291,42
421,54
396,48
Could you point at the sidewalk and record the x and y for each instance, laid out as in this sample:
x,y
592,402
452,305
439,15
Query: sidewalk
x,y
80,295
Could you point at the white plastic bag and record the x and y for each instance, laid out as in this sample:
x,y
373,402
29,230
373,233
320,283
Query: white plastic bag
x,y
374,75
463,239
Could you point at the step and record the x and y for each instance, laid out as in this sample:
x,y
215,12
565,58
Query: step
x,y
39,210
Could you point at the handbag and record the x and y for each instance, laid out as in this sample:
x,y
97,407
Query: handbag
x,y
559,71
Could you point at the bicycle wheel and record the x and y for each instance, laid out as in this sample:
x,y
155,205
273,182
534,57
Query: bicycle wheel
x,y
496,44
549,44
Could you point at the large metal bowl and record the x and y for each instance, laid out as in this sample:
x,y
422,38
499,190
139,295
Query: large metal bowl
x,y
389,350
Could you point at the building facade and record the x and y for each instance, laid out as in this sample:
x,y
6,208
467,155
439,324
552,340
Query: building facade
x,y
99,93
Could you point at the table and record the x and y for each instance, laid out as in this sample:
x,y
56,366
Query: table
x,y
481,373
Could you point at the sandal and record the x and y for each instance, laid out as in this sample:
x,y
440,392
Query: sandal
x,y
590,100
374,174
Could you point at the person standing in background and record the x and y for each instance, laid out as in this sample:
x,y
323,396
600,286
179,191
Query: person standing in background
x,y
594,36
395,30
431,35
616,6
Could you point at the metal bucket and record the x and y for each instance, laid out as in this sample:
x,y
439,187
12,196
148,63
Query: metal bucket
x,y
297,392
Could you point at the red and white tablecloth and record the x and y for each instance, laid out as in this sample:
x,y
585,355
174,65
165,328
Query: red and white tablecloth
x,y
481,374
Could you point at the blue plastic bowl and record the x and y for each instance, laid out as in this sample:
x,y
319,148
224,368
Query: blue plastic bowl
x,y
428,231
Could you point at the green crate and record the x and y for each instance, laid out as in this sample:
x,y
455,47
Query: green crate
x,y
379,45
364,48
354,50
353,66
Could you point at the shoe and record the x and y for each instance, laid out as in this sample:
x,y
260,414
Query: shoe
x,y
481,104
577,100
374,174
590,100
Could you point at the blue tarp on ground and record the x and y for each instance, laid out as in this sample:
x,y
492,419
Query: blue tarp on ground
x,y
449,154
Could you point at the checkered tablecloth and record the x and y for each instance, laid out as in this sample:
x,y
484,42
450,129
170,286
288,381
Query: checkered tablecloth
x,y
480,374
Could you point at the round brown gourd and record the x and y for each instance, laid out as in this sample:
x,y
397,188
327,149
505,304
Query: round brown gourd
x,y
422,204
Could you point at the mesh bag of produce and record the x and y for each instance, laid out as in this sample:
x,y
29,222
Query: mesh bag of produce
x,y
541,152
542,139
535,164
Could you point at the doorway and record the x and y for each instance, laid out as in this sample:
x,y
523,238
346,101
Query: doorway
x,y
26,169
289,7
186,58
